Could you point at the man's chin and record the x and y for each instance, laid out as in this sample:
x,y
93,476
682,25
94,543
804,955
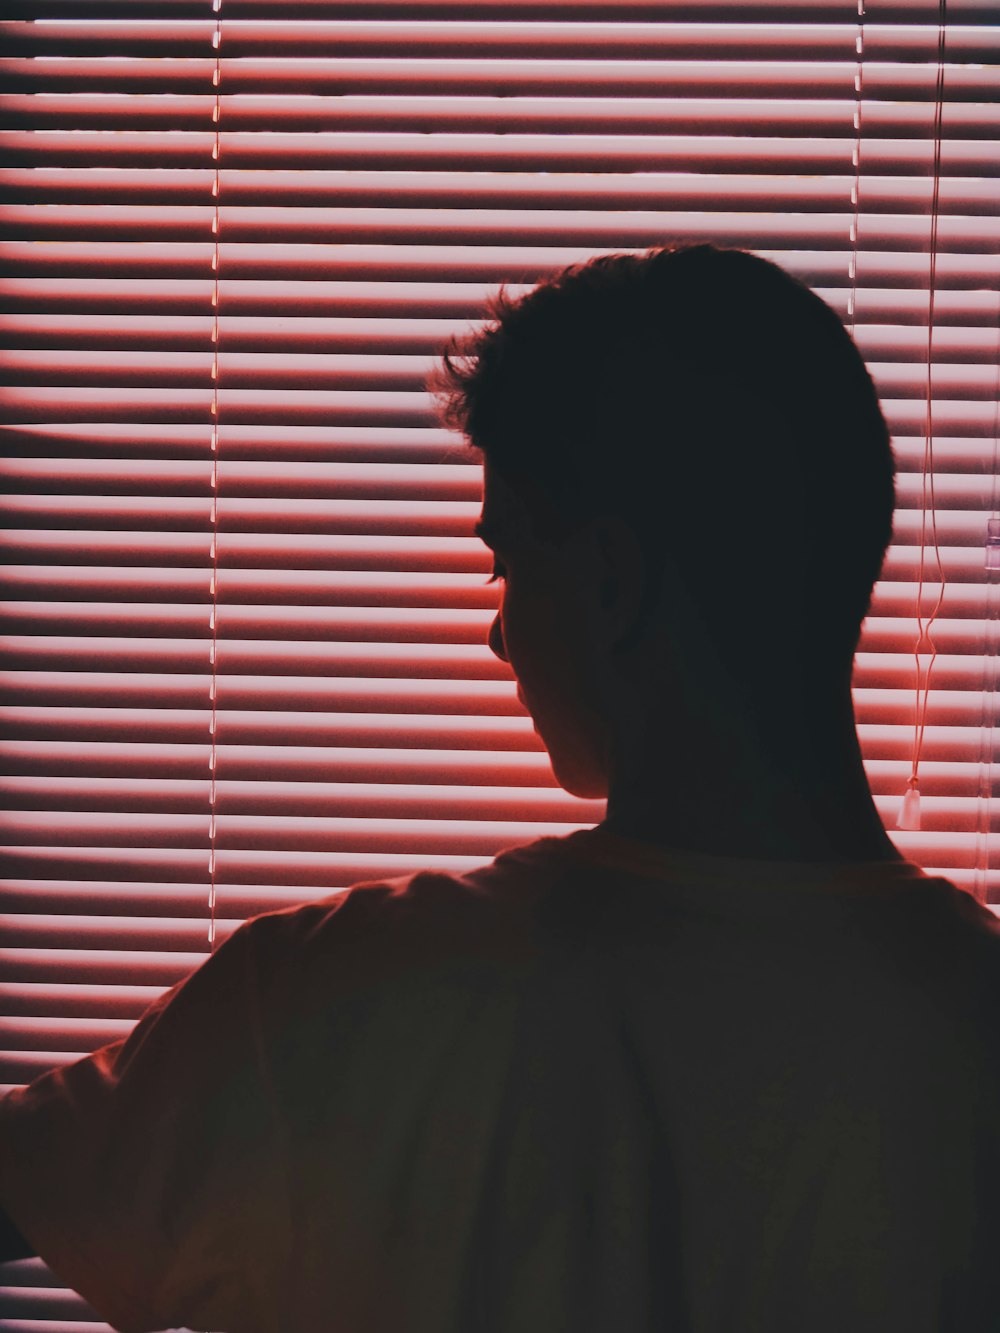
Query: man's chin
x,y
577,782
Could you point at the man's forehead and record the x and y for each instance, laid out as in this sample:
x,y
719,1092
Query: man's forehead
x,y
504,519
520,516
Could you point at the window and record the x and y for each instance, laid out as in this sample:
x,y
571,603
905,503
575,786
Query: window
x,y
245,656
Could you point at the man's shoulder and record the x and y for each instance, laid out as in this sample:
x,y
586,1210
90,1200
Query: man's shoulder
x,y
969,914
390,969
395,923
964,931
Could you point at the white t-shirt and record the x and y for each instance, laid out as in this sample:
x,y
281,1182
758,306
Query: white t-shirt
x,y
593,1087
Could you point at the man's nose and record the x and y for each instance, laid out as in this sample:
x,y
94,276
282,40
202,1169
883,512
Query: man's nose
x,y
495,639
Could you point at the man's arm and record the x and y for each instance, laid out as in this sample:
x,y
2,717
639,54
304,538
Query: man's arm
x,y
73,1142
12,1243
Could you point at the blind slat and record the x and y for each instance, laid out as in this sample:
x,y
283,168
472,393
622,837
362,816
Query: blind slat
x,y
793,118
300,163
910,79
519,260
628,228
962,340
418,42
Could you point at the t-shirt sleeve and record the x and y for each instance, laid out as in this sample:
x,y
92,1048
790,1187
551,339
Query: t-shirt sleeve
x,y
147,1175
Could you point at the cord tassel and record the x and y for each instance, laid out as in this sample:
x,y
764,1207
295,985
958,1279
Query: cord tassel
x,y
909,811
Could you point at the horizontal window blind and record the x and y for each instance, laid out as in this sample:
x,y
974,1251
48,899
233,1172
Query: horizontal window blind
x,y
232,243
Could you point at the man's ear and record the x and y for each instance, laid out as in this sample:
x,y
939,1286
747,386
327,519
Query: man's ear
x,y
622,575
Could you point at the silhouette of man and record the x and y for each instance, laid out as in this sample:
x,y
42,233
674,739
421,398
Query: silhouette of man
x,y
725,1063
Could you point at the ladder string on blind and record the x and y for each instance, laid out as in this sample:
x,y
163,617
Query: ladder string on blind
x,y
214,438
859,86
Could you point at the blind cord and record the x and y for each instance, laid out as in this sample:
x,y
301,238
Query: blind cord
x,y
991,651
909,814
991,682
214,516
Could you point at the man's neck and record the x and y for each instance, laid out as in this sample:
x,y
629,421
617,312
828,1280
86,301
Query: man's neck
x,y
747,808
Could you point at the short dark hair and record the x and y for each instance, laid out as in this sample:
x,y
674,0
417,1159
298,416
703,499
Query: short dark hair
x,y
719,404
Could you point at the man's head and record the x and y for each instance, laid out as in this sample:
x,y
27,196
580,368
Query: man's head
x,y
711,407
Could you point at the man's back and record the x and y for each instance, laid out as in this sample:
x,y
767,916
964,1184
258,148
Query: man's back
x,y
593,1086
752,1105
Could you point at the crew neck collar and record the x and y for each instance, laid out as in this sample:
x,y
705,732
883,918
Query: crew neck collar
x,y
660,862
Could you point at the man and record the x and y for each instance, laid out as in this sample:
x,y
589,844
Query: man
x,y
727,1063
